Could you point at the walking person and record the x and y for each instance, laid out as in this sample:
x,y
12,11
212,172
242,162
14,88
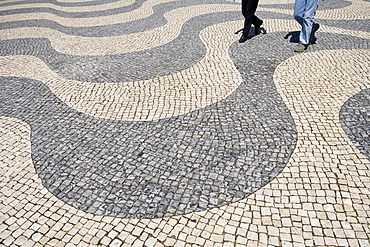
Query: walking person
x,y
304,13
248,10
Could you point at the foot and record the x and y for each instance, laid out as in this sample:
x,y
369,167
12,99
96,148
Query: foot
x,y
243,38
315,27
300,48
257,28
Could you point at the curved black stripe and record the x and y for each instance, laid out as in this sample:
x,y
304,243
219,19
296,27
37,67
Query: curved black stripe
x,y
179,54
355,120
62,4
61,13
357,25
155,20
137,4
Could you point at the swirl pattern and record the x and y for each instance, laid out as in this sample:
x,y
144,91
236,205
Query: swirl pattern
x,y
144,123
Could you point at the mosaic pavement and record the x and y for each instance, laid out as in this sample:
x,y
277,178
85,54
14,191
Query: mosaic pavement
x,y
145,123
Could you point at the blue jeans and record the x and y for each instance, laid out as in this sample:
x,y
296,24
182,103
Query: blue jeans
x,y
304,13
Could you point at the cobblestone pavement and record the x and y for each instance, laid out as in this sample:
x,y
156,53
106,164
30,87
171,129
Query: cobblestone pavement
x,y
145,123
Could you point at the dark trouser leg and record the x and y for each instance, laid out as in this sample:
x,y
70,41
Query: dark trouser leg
x,y
256,21
249,7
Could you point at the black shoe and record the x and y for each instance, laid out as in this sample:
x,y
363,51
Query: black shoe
x,y
257,28
243,38
315,27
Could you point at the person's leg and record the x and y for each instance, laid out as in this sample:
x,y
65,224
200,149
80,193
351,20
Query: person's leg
x,y
257,23
299,10
304,13
299,13
311,12
248,9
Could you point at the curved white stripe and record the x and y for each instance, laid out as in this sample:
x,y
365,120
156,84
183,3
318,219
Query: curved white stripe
x,y
144,11
100,7
118,44
359,9
60,1
208,81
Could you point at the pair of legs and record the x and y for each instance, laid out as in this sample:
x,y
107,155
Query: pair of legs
x,y
304,13
249,7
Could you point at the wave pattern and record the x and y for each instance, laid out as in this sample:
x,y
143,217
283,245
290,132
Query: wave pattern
x,y
93,19
171,120
28,7
64,3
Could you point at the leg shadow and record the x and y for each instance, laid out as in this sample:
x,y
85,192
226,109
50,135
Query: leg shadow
x,y
294,36
252,31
